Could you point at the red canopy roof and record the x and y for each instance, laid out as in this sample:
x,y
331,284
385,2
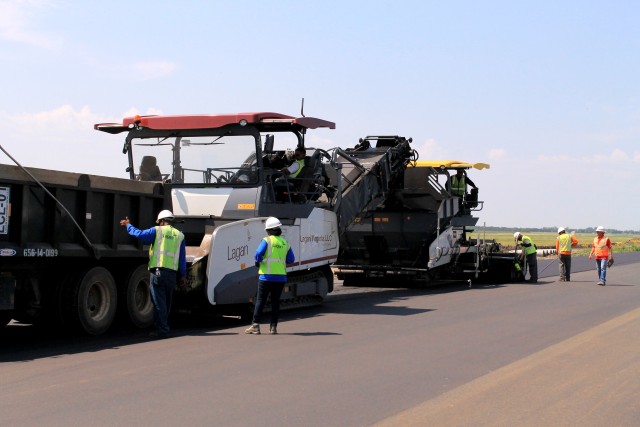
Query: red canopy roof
x,y
211,121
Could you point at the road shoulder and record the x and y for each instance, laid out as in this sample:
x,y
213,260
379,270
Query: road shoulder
x,y
588,380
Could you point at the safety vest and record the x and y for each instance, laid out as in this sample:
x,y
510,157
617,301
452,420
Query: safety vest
x,y
528,250
564,241
601,247
275,257
296,173
458,186
165,250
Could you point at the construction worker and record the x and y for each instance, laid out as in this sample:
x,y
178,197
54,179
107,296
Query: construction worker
x,y
271,258
292,183
167,262
604,254
459,183
294,169
564,243
530,252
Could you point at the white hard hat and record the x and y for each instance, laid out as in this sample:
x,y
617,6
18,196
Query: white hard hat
x,y
165,214
561,229
272,222
600,228
516,235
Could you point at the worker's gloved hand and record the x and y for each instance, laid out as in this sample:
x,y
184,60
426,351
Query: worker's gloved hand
x,y
257,264
183,283
610,263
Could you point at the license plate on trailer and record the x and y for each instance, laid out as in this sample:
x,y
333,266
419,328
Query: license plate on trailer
x,y
5,211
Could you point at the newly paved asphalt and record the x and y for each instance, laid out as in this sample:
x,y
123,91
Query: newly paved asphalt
x,y
514,354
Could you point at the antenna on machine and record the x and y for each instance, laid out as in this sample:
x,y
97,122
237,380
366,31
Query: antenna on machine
x,y
302,108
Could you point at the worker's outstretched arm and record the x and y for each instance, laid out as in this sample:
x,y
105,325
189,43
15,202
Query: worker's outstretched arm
x,y
471,183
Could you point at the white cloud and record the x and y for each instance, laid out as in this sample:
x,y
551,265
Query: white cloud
x,y
619,156
616,157
65,121
16,25
60,120
151,111
62,139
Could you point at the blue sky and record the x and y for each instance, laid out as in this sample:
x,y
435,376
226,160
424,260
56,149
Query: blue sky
x,y
546,92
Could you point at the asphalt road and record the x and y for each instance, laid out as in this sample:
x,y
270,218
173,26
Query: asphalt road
x,y
516,354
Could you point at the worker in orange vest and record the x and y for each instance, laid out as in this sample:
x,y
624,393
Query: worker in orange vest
x,y
604,254
564,243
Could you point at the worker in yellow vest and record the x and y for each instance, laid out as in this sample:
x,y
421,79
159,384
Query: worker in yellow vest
x,y
167,263
459,183
603,251
289,184
564,243
294,169
530,252
271,258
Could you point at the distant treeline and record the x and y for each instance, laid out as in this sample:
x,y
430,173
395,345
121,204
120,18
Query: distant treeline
x,y
555,230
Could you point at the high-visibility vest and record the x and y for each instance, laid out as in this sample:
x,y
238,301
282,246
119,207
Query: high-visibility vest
x,y
528,250
564,241
458,186
601,247
165,250
275,257
296,173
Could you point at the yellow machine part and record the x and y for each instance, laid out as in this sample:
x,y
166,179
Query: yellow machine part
x,y
451,164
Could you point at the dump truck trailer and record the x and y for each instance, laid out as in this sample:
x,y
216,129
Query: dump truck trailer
x,y
63,257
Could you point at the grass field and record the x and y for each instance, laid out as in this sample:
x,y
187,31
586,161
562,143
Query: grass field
x,y
620,242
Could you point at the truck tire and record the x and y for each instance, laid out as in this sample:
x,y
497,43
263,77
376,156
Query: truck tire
x,y
93,301
137,299
328,274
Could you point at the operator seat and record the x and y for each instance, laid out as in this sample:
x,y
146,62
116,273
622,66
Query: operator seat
x,y
304,180
313,178
149,170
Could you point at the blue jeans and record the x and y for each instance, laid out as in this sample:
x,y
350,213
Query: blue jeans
x,y
163,282
264,289
602,269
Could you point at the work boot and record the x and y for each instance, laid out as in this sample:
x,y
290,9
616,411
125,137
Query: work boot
x,y
273,330
562,279
253,329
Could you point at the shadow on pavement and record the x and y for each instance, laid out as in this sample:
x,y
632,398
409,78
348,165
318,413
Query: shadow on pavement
x,y
21,343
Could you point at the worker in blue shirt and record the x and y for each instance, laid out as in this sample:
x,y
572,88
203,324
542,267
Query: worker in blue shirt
x,y
167,262
272,256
